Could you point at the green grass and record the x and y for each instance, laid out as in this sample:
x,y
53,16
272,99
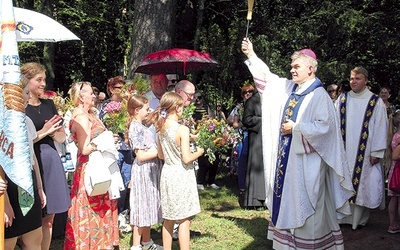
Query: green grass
x,y
222,224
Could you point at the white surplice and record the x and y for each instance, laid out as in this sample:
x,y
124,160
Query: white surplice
x,y
317,180
370,190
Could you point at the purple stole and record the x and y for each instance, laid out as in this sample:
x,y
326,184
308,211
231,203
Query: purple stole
x,y
363,138
290,112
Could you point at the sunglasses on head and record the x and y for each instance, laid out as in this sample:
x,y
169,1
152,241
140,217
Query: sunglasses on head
x,y
83,83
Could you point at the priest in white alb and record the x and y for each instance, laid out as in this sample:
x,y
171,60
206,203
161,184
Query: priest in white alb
x,y
364,126
307,176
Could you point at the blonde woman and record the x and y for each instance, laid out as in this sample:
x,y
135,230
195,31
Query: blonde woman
x,y
92,220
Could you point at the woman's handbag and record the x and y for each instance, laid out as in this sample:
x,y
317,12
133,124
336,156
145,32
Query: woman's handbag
x,y
66,158
394,183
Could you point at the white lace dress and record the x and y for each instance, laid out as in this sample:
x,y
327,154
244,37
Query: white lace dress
x,y
179,195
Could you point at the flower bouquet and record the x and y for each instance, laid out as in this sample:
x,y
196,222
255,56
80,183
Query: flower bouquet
x,y
215,136
116,116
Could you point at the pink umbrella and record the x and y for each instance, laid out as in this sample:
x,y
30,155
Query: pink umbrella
x,y
175,61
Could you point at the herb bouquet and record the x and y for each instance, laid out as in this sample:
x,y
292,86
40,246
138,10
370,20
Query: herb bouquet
x,y
215,136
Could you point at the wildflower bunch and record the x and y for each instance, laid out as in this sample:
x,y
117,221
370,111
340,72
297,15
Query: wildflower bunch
x,y
215,137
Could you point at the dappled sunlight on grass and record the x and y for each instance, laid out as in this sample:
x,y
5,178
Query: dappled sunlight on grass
x,y
222,224
218,200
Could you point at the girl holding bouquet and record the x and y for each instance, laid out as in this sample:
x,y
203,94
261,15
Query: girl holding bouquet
x,y
179,195
146,169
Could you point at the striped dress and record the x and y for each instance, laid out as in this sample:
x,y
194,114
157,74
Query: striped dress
x,y
145,179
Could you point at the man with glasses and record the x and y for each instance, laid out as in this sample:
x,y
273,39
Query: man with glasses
x,y
186,90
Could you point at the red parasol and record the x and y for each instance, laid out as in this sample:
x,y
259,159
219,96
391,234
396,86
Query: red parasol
x,y
175,61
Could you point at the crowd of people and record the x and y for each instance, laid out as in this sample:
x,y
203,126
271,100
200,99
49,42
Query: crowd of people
x,y
154,156
306,153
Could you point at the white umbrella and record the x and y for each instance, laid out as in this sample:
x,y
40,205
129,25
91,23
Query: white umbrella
x,y
34,26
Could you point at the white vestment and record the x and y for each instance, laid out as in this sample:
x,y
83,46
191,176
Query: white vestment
x,y
317,180
370,190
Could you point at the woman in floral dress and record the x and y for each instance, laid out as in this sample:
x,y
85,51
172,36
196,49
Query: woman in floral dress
x,y
92,220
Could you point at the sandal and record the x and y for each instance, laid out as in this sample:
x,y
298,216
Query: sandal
x,y
394,230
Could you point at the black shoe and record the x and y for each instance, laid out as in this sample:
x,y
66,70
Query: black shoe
x,y
194,233
241,198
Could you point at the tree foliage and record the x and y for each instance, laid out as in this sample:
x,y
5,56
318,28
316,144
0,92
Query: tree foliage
x,y
102,27
343,33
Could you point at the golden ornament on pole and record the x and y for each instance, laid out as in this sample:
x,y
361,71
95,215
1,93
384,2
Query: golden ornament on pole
x,y
250,4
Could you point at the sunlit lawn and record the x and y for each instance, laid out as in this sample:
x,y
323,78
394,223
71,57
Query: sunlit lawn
x,y
222,224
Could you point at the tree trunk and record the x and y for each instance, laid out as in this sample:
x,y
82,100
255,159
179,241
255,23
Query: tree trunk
x,y
199,24
48,63
153,28
48,50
